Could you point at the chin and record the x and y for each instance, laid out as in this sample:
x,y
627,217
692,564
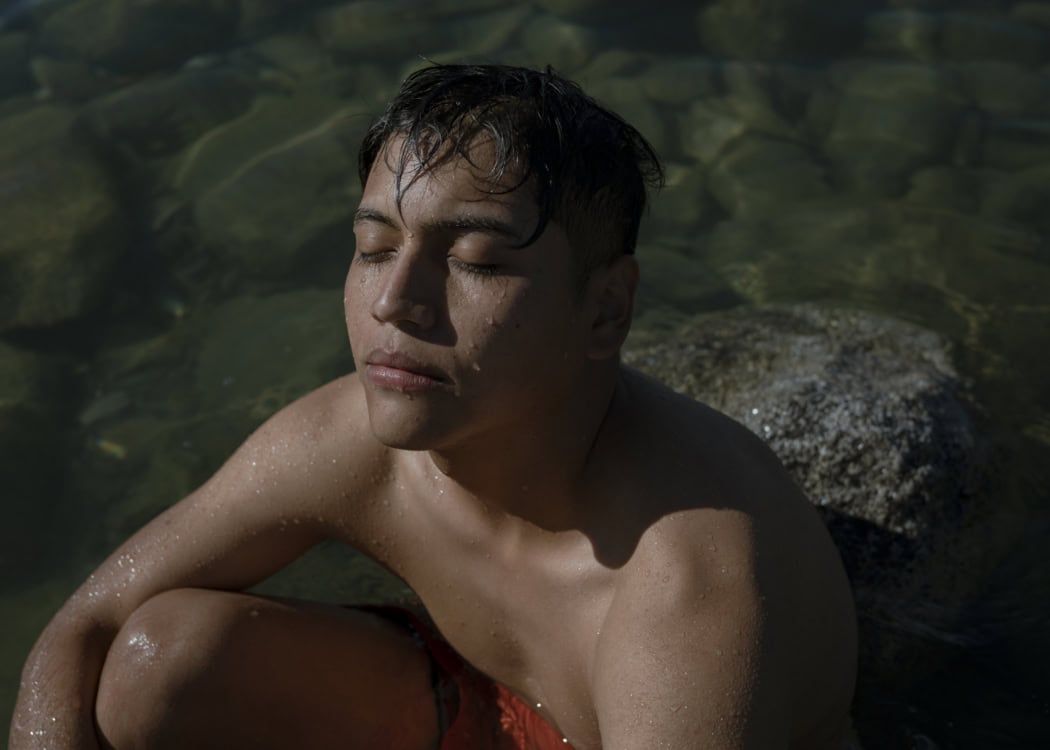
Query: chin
x,y
405,424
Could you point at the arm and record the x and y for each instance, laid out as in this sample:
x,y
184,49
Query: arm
x,y
284,490
683,660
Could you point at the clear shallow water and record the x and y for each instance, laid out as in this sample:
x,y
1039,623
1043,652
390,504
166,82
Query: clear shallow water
x,y
175,183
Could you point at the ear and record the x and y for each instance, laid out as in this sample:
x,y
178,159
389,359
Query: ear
x,y
610,298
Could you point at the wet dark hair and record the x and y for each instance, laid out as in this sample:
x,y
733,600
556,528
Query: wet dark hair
x,y
589,169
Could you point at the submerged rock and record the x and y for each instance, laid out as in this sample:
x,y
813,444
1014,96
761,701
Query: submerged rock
x,y
892,119
759,175
394,30
166,409
868,415
681,80
288,204
161,115
955,189
1006,89
68,80
685,204
573,8
685,284
14,73
771,99
31,436
259,353
63,228
1019,198
261,15
1034,13
906,32
1016,143
988,36
708,129
626,96
565,45
785,30
138,36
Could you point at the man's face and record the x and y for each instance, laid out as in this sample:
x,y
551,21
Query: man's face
x,y
455,329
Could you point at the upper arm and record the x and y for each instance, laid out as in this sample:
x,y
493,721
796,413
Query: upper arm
x,y
275,497
682,660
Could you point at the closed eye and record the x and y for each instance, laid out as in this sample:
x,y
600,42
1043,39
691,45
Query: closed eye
x,y
376,256
476,269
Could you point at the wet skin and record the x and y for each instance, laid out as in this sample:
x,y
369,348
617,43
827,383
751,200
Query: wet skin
x,y
632,563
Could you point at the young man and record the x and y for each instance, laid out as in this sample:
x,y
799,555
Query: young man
x,y
605,564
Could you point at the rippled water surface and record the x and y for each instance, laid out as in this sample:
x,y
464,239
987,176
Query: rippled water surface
x,y
176,178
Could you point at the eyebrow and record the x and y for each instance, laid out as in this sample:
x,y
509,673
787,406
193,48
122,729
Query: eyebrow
x,y
485,224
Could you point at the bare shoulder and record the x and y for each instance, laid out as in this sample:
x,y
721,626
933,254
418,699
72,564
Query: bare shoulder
x,y
316,456
733,579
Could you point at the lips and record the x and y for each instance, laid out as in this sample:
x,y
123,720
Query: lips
x,y
400,372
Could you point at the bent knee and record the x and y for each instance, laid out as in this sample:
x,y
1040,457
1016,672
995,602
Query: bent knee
x,y
165,648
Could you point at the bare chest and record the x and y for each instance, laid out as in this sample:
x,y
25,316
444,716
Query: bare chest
x,y
533,628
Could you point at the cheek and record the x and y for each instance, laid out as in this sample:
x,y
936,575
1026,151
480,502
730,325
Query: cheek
x,y
513,327
354,304
491,310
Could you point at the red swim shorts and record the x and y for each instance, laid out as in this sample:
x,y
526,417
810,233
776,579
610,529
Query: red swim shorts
x,y
486,715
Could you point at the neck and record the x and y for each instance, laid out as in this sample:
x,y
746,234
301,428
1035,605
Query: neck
x,y
534,471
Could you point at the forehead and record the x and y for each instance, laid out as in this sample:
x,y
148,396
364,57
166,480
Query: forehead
x,y
470,180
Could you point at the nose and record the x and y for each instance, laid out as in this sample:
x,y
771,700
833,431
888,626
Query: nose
x,y
407,293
